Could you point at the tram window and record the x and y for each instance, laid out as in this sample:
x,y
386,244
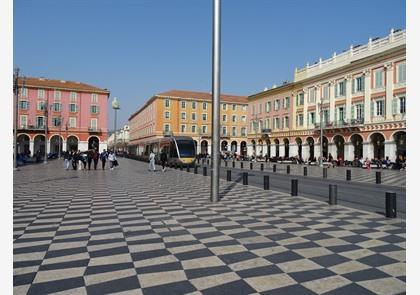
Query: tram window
x,y
186,148
173,152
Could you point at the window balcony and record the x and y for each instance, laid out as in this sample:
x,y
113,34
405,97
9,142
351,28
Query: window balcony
x,y
94,130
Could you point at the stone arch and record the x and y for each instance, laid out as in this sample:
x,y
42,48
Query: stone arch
x,y
72,143
39,144
339,143
56,144
234,146
277,143
399,138
357,141
254,147
243,148
224,145
298,142
324,146
204,147
268,143
22,141
93,142
286,147
377,139
311,143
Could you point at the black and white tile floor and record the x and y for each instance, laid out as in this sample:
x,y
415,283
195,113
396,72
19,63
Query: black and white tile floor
x,y
129,231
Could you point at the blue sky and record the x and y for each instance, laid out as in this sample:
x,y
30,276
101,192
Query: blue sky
x,y
137,48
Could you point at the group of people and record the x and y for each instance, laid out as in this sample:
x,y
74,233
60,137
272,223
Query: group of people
x,y
163,157
79,160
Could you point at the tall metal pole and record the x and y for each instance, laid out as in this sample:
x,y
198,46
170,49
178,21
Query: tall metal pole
x,y
215,136
16,91
46,131
59,140
320,126
115,129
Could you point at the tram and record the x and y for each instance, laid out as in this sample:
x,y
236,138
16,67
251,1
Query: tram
x,y
180,150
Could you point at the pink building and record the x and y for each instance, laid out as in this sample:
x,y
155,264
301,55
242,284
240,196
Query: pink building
x,y
76,112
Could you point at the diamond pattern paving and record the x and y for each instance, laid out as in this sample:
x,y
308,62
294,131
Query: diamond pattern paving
x,y
130,231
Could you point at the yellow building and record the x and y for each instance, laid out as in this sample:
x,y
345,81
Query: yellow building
x,y
188,113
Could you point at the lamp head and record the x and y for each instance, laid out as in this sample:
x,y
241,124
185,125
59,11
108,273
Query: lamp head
x,y
115,104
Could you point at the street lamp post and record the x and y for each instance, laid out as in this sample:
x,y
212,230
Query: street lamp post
x,y
115,106
46,132
59,139
16,91
321,131
215,137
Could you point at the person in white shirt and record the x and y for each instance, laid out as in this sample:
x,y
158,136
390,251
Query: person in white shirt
x,y
111,159
152,162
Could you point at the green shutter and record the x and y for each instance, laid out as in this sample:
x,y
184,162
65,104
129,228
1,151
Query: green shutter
x,y
352,112
345,87
372,108
363,110
363,83
353,90
344,113
394,106
335,90
336,114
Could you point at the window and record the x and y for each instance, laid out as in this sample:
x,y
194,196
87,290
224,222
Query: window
x,y
94,123
72,108
398,106
183,116
359,111
40,106
401,72
267,123
243,131
204,105
40,122
183,128
94,109
253,109
41,93
379,78
193,129
260,108
358,84
234,118
72,122
340,88
379,108
244,107
341,114
311,118
234,107
286,102
204,117
23,105
326,91
57,95
286,122
56,107
224,130
193,105
299,120
183,104
224,118
24,92
234,131
276,123
193,116
300,99
167,103
94,97
167,127
56,121
277,104
23,121
204,129
402,103
243,118
325,116
268,106
167,115
73,96
224,107
312,95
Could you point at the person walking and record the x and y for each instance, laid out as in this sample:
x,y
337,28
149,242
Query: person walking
x,y
163,160
152,161
104,157
89,158
95,157
74,160
66,160
111,159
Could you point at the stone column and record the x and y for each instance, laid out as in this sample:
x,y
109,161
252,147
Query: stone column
x,y
389,91
332,103
293,150
305,151
48,143
367,98
31,147
391,150
281,150
316,150
273,149
367,150
348,151
348,98
332,149
64,148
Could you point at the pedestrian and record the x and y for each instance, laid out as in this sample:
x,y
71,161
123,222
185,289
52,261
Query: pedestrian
x,y
66,160
74,160
163,160
367,163
111,159
83,156
104,157
95,157
152,161
89,156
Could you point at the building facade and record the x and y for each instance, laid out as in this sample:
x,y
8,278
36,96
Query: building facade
x,y
359,96
122,137
189,113
72,115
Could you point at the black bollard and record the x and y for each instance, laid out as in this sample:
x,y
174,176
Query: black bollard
x,y
266,182
305,171
378,177
245,178
294,187
188,168
348,175
229,175
208,161
250,165
274,168
333,194
225,163
242,165
262,167
204,171
391,204
324,172
288,169
233,164
195,169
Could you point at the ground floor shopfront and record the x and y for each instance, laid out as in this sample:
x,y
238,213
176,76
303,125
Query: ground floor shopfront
x,y
32,143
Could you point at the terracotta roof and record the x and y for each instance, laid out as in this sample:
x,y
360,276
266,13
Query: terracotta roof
x,y
194,95
60,84
202,96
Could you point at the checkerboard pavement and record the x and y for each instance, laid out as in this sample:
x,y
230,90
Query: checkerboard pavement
x,y
129,231
388,177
